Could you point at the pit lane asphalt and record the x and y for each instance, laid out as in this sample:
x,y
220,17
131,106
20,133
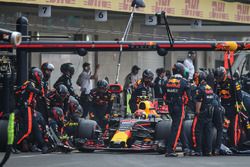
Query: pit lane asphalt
x,y
120,159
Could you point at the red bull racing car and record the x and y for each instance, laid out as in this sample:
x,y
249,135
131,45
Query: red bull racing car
x,y
123,134
145,130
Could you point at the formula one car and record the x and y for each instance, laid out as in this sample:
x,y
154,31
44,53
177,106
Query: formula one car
x,y
146,130
123,134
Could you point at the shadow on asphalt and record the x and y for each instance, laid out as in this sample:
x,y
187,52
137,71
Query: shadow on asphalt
x,y
120,152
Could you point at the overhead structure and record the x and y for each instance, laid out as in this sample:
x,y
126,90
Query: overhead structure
x,y
135,4
72,46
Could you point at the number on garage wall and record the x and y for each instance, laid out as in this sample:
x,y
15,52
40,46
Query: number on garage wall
x,y
101,15
44,11
150,20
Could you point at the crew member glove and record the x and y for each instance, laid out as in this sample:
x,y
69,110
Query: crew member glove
x,y
64,137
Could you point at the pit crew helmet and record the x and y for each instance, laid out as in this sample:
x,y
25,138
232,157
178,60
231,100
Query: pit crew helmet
x,y
67,69
62,91
58,115
36,75
47,68
159,71
75,109
147,76
178,68
202,76
102,84
236,75
220,74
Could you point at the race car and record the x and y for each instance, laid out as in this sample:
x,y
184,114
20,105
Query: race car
x,y
123,134
144,131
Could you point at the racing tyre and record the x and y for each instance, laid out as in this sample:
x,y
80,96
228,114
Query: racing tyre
x,y
86,130
214,136
162,132
187,129
245,136
246,101
3,134
162,129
